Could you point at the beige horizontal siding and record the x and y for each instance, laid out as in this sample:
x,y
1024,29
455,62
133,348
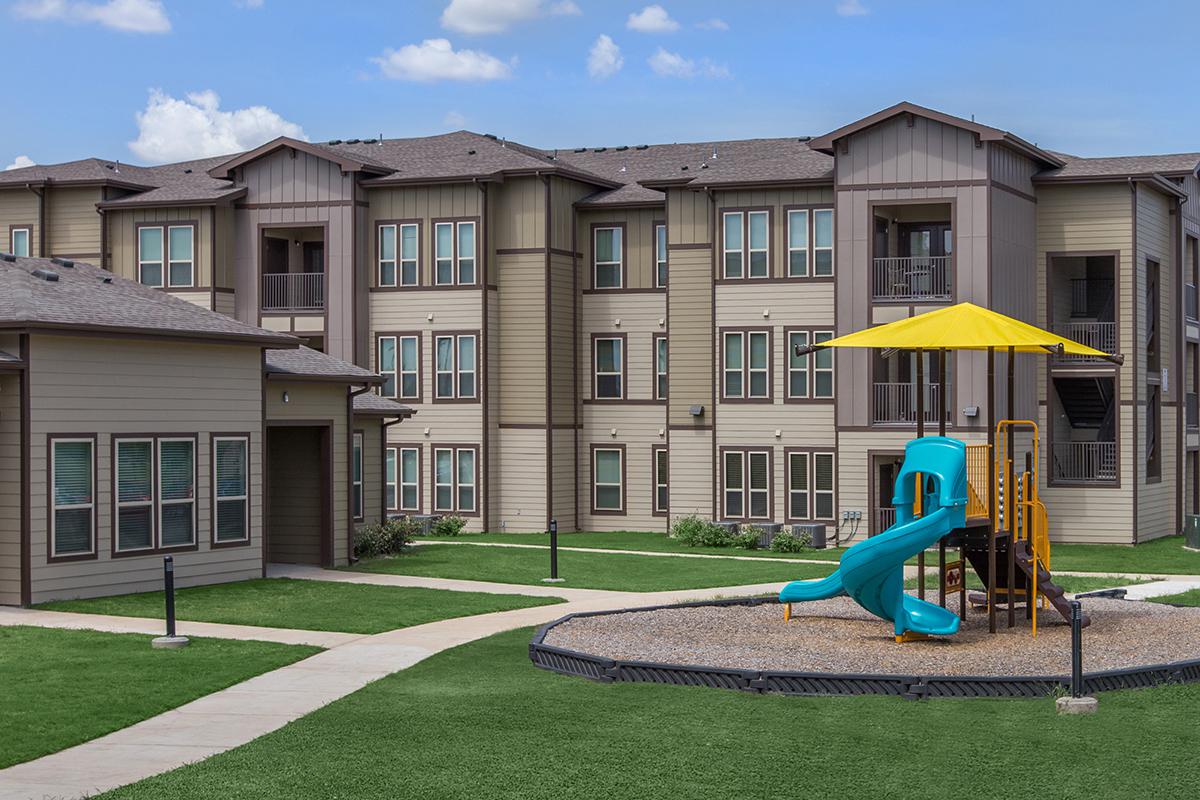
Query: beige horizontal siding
x,y
123,239
638,250
73,222
519,491
19,207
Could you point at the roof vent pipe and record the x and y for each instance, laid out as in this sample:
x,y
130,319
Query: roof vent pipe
x,y
714,155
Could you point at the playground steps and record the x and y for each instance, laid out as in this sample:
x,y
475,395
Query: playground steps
x,y
1053,593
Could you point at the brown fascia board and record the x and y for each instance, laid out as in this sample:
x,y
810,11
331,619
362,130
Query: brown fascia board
x,y
63,329
137,187
703,186
378,413
491,177
1154,180
346,163
373,380
223,200
631,204
666,183
986,133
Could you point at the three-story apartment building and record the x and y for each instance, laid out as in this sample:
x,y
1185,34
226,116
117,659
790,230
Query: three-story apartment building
x,y
606,336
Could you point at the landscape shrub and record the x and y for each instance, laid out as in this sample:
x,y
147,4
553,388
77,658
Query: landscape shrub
x,y
785,542
695,531
448,526
384,538
747,538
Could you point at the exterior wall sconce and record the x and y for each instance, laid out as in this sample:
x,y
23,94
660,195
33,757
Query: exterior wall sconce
x,y
286,399
696,411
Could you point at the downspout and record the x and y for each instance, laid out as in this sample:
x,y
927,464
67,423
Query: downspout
x,y
350,395
715,477
103,238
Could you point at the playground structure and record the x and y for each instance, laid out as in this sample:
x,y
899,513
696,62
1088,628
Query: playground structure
x,y
997,521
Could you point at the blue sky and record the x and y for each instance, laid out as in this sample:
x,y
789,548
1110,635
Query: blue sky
x,y
1092,78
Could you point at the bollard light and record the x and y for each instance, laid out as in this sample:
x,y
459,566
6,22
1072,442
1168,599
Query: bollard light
x,y
171,641
553,554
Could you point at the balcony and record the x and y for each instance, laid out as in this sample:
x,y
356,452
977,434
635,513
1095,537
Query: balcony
x,y
1084,462
293,291
896,403
1099,335
912,279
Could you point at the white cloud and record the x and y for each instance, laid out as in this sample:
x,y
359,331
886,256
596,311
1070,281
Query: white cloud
x,y
20,162
170,129
714,24
453,119
248,3
852,8
436,59
673,65
497,16
133,16
652,19
604,59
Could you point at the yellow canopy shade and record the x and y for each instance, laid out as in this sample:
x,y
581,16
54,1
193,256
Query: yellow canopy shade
x,y
965,326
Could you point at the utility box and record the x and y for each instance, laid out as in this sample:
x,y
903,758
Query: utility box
x,y
813,531
1191,531
766,533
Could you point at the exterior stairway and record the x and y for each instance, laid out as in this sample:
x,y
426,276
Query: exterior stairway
x,y
978,557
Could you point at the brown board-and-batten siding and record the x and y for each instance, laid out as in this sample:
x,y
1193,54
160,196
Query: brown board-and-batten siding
x,y
11,475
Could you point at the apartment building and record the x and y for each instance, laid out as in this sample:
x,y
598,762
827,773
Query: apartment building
x,y
605,336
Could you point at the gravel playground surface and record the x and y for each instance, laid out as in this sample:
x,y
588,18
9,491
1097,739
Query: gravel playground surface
x,y
839,636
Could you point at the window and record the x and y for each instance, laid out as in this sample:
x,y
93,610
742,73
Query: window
x,y
231,501
810,486
402,484
747,484
454,367
660,368
356,479
608,359
391,500
455,478
797,244
398,260
401,372
150,256
180,255
660,256
810,243
19,242
176,492
809,375
607,256
454,253
661,482
72,497
823,242
746,368
745,254
135,494
608,480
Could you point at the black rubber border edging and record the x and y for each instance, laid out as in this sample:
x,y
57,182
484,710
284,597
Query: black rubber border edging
x,y
913,687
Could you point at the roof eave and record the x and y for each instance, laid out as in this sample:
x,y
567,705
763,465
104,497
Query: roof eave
x,y
278,375
346,163
703,185
1153,179
61,328
132,203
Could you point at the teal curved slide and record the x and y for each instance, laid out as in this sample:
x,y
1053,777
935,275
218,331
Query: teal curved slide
x,y
872,571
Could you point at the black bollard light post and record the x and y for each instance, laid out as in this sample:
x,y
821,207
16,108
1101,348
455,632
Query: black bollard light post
x,y
553,554
171,640
1076,649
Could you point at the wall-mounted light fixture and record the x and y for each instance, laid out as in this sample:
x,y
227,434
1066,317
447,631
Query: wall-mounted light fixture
x,y
286,399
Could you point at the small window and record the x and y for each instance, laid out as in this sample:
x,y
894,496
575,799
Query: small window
x,y
810,486
466,480
402,482
455,367
660,256
455,478
454,253
733,251
759,255
746,244
398,268
443,253
810,375
19,242
387,365
799,490
150,256
231,470
466,253
798,244
608,490
177,492
356,479
607,258
609,368
823,367
661,481
823,482
135,494
797,365
391,500
746,367
181,255
399,364
747,484
466,366
73,500
387,255
823,242
661,383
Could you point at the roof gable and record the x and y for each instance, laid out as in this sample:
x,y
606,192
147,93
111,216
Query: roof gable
x,y
346,161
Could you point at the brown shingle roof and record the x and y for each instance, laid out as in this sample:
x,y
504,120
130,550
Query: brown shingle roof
x,y
8,358
372,405
304,362
88,298
1122,166
85,170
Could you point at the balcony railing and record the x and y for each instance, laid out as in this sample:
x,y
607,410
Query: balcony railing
x,y
1085,462
884,518
897,402
1100,335
912,278
293,291
1191,410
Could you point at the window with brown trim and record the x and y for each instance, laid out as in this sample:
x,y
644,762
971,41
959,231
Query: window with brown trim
x,y
356,476
810,476
231,489
662,482
398,360
455,479
661,378
608,367
810,242
176,491
608,480
746,483
745,244
133,482
660,255
72,496
454,253
402,483
19,239
455,369
809,376
608,257
399,248
746,365
166,255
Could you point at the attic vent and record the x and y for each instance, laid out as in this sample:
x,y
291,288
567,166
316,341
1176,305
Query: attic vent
x,y
580,149
187,171
352,141
804,139
106,279
63,262
491,136
684,168
600,149
45,275
470,152
7,257
335,141
642,147
622,148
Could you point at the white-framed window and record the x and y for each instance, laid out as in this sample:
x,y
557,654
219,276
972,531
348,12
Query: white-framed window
x,y
798,366
72,497
176,492
799,486
745,244
178,266
797,243
19,242
386,364
660,256
661,382
823,483
410,482
465,253
608,258
454,253
746,369
810,485
356,476
443,253
455,367
150,256
231,489
809,375
662,474
134,485
609,367
608,479
391,486
822,367
455,478
398,244
747,484
732,245
823,242
399,364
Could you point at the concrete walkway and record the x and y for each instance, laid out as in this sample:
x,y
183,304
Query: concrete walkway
x,y
1144,591
619,552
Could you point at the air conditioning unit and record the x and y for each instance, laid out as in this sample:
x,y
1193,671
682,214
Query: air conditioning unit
x,y
1191,531
813,531
766,532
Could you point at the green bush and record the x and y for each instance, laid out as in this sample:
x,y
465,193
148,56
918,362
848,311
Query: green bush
x,y
384,538
448,526
746,538
785,542
694,531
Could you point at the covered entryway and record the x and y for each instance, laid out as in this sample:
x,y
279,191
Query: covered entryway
x,y
299,495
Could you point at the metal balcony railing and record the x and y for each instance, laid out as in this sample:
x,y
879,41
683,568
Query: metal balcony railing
x,y
1084,462
1100,335
293,291
897,402
884,518
912,278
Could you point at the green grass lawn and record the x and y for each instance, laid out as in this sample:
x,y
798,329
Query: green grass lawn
x,y
1189,598
308,605
628,573
1164,555
448,728
64,687
653,542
